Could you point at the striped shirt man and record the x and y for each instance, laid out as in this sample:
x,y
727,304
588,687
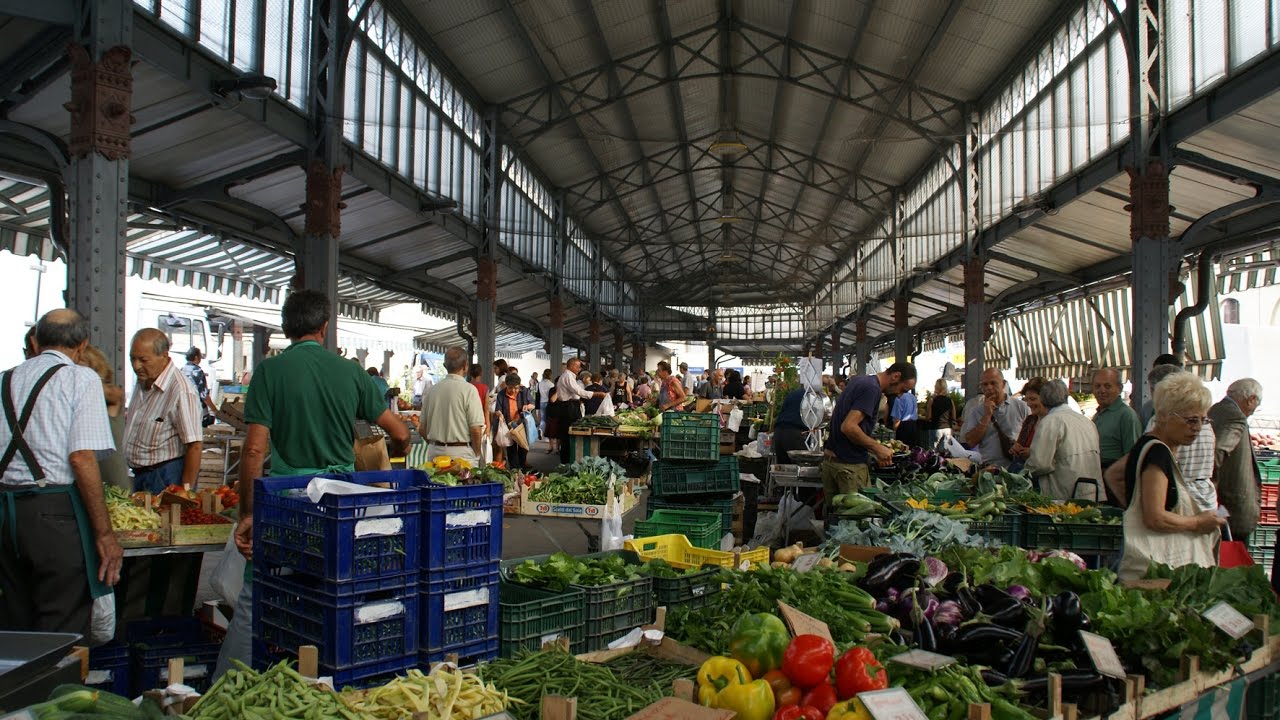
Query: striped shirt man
x,y
162,420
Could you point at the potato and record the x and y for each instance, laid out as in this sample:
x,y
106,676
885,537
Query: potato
x,y
826,562
779,564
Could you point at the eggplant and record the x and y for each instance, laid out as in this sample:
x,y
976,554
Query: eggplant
x,y
993,678
1023,657
946,635
986,634
1072,681
902,574
925,637
949,612
990,594
1021,592
968,601
1012,613
953,582
1068,619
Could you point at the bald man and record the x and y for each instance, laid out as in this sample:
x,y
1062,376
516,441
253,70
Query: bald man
x,y
162,433
992,420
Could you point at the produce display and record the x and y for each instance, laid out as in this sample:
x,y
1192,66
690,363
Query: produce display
x,y
604,422
78,701
1075,512
278,692
561,570
857,505
125,515
642,420
585,482
196,516
445,693
983,507
605,692
917,531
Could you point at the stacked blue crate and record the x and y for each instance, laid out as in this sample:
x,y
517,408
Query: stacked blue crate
x,y
340,574
461,548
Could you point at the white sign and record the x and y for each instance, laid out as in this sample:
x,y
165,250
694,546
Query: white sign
x,y
1103,655
1229,620
923,659
806,562
892,704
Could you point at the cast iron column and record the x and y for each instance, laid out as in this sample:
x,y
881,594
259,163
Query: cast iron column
x,y
593,347
98,178
555,334
861,350
837,358
486,302
619,348
901,329
975,324
487,269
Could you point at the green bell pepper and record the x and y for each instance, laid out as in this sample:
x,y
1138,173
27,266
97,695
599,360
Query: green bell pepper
x,y
758,640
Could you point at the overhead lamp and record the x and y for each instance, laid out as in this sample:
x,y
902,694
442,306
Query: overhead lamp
x,y
728,215
728,143
249,86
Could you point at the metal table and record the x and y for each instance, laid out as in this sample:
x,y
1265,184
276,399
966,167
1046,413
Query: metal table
x,y
172,550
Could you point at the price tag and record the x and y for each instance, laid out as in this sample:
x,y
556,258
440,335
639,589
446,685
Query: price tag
x,y
923,659
802,624
1103,655
1157,584
806,562
1229,620
892,704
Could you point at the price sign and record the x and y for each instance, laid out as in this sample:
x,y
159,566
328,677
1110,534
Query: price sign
x,y
1229,620
806,562
892,704
1156,584
923,659
802,624
1103,655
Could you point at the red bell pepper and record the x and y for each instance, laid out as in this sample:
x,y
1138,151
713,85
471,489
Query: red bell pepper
x,y
823,697
799,712
858,671
808,660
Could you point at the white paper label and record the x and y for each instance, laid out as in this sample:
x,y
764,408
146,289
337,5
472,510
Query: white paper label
x,y
468,518
374,612
806,562
188,671
19,715
699,590
923,659
551,638
892,704
1229,620
1103,654
466,599
99,677
381,526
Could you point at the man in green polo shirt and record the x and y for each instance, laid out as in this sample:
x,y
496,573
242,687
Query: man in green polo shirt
x,y
1117,423
303,403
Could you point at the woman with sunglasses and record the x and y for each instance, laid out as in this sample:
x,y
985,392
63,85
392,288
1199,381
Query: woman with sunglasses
x,y
1162,522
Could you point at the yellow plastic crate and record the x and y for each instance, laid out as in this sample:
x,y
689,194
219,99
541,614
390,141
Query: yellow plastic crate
x,y
679,552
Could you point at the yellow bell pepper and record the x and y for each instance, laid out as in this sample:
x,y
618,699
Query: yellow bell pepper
x,y
718,673
851,709
750,701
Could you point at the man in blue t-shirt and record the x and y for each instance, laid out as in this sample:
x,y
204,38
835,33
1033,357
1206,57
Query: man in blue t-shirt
x,y
850,446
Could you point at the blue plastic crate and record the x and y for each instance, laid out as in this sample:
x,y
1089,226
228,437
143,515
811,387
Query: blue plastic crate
x,y
292,610
327,539
469,654
373,674
459,606
109,668
154,642
461,525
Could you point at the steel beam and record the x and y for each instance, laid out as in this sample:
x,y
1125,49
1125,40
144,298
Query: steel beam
x,y
26,62
53,12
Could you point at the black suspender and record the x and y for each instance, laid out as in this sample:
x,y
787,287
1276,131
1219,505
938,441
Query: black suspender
x,y
18,443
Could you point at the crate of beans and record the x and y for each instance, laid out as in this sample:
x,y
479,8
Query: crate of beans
x,y
341,537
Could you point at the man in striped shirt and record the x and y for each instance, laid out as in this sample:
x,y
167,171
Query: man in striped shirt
x,y
163,435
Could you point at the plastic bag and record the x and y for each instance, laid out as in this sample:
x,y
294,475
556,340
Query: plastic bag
x,y
606,407
503,436
956,450
611,527
530,428
735,419
102,619
768,530
228,575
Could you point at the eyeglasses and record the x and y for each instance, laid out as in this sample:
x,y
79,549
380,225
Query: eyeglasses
x,y
1193,421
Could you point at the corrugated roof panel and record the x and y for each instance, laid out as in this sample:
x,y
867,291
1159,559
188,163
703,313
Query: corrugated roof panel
x,y
829,24
627,26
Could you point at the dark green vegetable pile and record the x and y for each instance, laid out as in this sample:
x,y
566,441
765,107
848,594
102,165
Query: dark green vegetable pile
x,y
561,570
585,482
605,692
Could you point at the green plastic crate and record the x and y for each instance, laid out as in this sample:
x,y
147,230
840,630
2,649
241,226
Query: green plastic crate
x,y
1262,545
1041,532
702,528
1269,470
693,591
690,436
668,478
690,504
1006,528
528,618
1262,701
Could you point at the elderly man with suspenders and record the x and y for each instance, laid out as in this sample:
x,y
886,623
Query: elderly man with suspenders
x,y
57,550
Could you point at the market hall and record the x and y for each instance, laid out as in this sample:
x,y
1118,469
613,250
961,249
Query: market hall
x,y
1049,189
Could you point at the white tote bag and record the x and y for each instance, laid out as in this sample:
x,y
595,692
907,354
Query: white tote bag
x,y
606,407
503,436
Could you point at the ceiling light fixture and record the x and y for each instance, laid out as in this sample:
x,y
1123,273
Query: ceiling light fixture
x,y
249,86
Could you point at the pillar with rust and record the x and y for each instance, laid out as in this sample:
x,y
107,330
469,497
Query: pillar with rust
x,y
1152,263
619,349
901,329
860,349
317,263
593,346
638,359
98,177
837,357
975,325
555,335
486,308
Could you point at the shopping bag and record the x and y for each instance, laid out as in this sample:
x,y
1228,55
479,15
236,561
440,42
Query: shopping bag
x,y
1232,553
530,428
735,419
606,407
228,575
503,436
371,454
517,434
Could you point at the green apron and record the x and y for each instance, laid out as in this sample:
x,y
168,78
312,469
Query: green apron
x,y
18,446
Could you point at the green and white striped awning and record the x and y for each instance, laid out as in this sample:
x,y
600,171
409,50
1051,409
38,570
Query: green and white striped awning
x,y
1071,339
1246,272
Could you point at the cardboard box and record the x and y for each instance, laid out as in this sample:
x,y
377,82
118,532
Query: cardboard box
x,y
570,510
861,553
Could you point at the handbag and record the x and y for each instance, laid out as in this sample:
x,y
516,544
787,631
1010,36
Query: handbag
x,y
517,433
1233,553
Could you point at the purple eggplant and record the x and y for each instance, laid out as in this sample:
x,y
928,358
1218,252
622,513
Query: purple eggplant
x,y
1021,592
935,571
949,613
